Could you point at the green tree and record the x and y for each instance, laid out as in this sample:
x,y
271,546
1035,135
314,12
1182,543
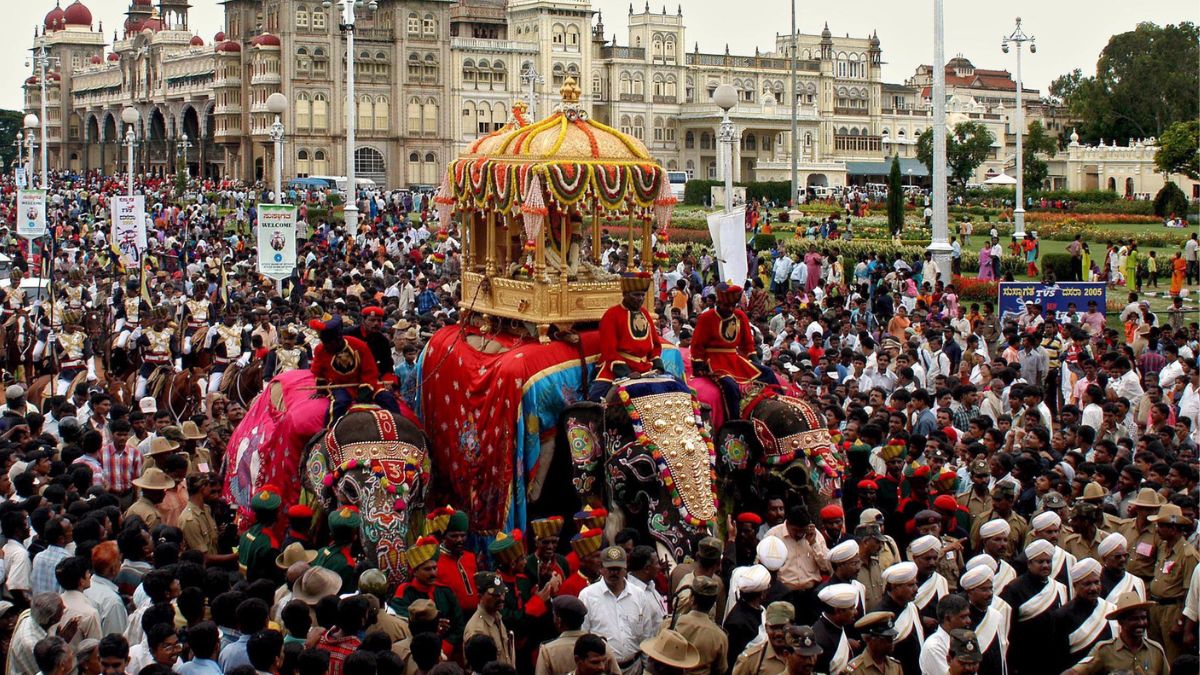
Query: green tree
x,y
10,124
1037,142
966,148
1145,81
1064,86
895,199
1179,149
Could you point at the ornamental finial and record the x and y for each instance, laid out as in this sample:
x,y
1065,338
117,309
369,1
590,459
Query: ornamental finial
x,y
570,91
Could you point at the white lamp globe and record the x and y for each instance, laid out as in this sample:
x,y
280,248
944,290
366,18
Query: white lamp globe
x,y
725,96
31,121
130,115
277,103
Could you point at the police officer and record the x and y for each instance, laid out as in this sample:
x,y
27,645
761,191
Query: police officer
x,y
1176,560
698,627
878,632
769,657
1131,651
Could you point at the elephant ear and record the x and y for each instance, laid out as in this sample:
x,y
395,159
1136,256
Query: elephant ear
x,y
580,429
317,475
739,452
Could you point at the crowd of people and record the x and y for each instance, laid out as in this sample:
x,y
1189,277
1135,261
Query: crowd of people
x,y
1019,493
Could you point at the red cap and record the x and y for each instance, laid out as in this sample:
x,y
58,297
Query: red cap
x,y
372,311
300,511
945,503
748,517
920,472
867,484
317,325
832,511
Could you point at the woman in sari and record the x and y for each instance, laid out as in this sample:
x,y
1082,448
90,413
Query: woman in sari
x,y
1131,266
1085,263
812,260
985,263
1031,250
1178,270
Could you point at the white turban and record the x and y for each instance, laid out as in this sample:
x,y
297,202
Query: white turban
x,y
982,560
772,552
1112,542
899,573
847,550
975,576
1084,569
1038,547
1046,520
994,528
839,596
925,544
756,580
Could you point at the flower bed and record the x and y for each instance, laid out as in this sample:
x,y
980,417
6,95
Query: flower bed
x,y
1055,217
976,290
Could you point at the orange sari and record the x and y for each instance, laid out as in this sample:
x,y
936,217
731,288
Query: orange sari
x,y
1178,270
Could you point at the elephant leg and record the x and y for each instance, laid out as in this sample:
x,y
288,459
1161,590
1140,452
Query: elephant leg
x,y
534,490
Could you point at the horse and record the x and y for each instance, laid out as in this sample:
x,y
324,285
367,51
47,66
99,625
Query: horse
x,y
241,385
180,394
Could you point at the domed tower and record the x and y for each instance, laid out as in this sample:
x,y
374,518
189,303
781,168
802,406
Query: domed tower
x,y
138,13
826,43
174,14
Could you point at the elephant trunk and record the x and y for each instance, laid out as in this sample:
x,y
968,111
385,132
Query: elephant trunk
x,y
385,540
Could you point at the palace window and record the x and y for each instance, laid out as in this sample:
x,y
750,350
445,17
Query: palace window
x,y
318,19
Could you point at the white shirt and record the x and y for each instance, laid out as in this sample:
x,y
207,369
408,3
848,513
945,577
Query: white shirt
x,y
624,620
17,559
1127,386
649,589
934,653
113,615
1093,416
1167,376
78,605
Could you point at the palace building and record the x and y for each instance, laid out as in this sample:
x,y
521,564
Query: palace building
x,y
432,75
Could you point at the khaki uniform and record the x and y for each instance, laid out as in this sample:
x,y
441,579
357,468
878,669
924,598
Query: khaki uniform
x,y
1168,589
403,649
1143,548
482,623
683,596
1016,536
145,510
863,664
200,462
391,625
708,639
199,528
950,567
557,657
1075,544
975,504
870,575
1113,655
756,662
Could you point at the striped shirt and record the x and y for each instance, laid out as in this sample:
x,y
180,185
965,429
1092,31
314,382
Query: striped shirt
x,y
92,463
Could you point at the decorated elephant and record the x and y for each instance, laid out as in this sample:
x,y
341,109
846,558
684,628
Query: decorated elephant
x,y
779,446
377,461
648,457
370,458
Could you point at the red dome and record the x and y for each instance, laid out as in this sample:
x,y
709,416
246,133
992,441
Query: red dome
x,y
78,15
143,3
114,57
96,60
197,41
266,40
55,19
219,37
152,24
229,46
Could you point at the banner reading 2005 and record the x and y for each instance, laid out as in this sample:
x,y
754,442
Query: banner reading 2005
x,y
31,213
1053,299
276,240
129,227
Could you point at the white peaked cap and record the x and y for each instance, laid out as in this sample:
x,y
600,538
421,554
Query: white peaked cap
x,y
1046,520
901,572
982,560
975,576
1112,542
840,596
847,550
925,544
1038,547
995,528
756,579
772,552
1084,569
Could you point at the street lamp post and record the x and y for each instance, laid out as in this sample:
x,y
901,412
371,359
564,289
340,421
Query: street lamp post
x,y
41,61
726,97
130,117
20,143
347,27
184,145
795,127
939,247
1018,37
277,104
31,122
531,78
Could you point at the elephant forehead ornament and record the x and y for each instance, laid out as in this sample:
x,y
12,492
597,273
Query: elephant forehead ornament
x,y
368,460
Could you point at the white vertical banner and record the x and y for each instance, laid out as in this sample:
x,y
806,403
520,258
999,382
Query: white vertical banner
x,y
276,240
728,232
21,178
31,214
129,227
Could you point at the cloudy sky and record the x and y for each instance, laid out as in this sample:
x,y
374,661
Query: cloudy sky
x,y
1070,34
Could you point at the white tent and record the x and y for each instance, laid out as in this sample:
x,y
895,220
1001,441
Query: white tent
x,y
1001,179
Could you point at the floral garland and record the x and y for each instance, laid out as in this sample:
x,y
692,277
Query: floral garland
x,y
503,186
610,185
568,182
412,473
664,470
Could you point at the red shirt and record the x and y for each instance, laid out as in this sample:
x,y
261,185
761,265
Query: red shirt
x,y
339,648
629,338
723,344
363,369
574,584
459,575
